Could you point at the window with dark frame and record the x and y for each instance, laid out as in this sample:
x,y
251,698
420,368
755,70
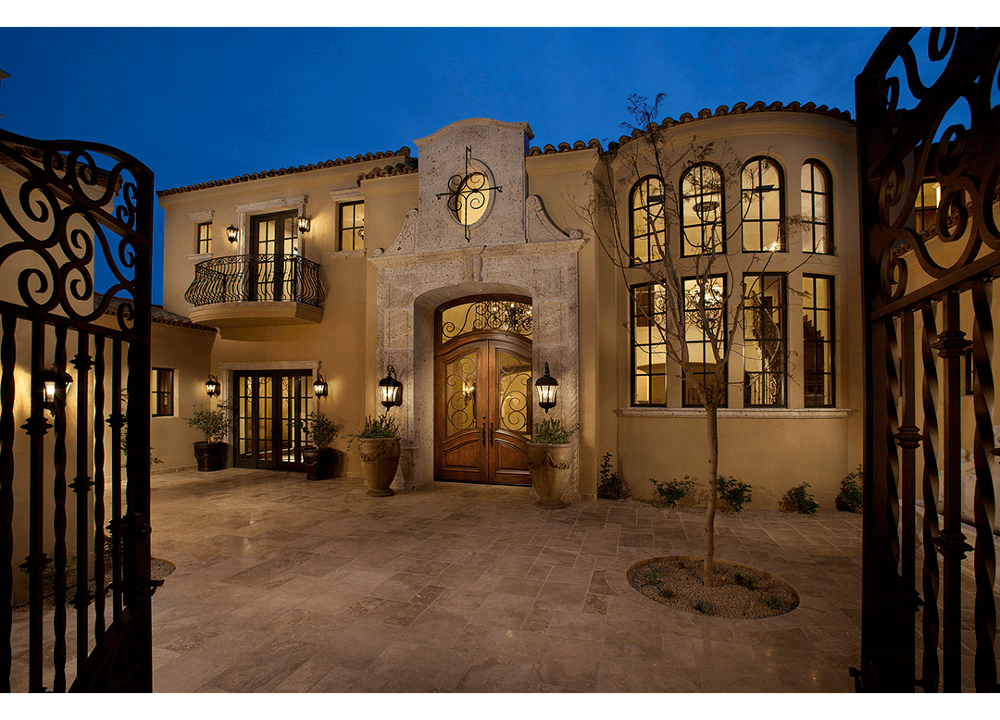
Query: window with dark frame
x,y
646,219
926,207
204,244
817,208
163,392
702,211
649,351
765,340
818,341
352,225
704,318
762,206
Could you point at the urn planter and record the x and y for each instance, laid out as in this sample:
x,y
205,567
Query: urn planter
x,y
550,466
319,462
379,460
211,456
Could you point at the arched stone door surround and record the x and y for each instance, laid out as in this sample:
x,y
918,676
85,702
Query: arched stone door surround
x,y
412,285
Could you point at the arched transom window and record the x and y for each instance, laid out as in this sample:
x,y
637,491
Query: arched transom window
x,y
760,191
702,212
647,220
817,209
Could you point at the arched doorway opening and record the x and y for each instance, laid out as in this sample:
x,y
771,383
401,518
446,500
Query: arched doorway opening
x,y
482,389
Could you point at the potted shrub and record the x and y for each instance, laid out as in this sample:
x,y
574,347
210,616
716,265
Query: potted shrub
x,y
319,457
211,453
550,459
378,448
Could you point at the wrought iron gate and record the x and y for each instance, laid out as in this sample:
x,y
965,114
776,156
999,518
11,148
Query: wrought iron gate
x,y
930,176
70,209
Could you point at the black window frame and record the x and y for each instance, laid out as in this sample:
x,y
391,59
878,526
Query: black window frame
x,y
749,195
203,245
765,279
706,344
634,258
815,197
701,225
831,341
160,394
357,232
636,318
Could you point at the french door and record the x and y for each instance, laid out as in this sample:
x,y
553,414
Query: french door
x,y
483,411
272,240
268,404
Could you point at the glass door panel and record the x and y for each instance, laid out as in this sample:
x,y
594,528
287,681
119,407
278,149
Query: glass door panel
x,y
268,404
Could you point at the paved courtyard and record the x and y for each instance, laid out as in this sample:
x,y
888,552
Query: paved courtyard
x,y
286,585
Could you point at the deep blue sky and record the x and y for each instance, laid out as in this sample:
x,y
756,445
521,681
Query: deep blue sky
x,y
202,104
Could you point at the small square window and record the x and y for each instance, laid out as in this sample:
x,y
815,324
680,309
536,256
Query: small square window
x,y
163,392
352,225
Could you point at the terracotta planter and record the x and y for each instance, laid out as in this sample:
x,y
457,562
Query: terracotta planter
x,y
550,467
318,462
379,460
211,456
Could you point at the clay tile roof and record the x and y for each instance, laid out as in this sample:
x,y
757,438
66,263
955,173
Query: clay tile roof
x,y
156,314
738,109
403,152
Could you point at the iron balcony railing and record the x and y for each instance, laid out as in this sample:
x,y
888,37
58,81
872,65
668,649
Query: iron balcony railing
x,y
256,278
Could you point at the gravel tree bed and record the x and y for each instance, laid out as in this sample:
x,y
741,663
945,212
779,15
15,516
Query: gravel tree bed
x,y
739,592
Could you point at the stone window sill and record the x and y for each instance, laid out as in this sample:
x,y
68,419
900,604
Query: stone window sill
x,y
346,254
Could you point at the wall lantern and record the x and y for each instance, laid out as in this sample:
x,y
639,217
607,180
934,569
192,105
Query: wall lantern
x,y
546,386
320,387
304,223
390,390
212,387
232,234
54,384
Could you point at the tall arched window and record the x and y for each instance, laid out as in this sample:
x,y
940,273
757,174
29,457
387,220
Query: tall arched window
x,y
817,208
647,219
702,211
762,206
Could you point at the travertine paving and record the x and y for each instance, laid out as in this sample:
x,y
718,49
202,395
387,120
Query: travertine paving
x,y
286,585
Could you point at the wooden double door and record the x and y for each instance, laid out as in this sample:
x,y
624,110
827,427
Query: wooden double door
x,y
483,409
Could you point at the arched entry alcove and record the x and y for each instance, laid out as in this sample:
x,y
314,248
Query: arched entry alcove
x,y
483,389
425,309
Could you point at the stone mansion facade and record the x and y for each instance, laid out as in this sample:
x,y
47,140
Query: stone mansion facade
x,y
476,266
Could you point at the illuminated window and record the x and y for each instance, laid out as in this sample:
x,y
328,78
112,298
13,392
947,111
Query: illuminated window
x,y
701,211
762,206
352,225
705,334
649,351
163,392
647,220
765,337
928,200
204,242
817,209
818,341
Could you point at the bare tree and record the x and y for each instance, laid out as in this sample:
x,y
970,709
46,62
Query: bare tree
x,y
658,207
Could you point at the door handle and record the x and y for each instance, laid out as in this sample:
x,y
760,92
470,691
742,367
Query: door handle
x,y
491,434
484,432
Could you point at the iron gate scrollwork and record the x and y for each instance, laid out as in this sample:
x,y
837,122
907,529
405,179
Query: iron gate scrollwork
x,y
68,209
928,271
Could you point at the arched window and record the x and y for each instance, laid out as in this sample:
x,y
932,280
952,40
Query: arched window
x,y
817,208
762,206
702,210
647,219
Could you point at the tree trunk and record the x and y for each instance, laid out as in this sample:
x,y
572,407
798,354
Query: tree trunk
x,y
712,415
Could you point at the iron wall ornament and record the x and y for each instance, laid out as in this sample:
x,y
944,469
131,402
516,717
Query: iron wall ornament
x,y
918,284
81,215
506,315
469,192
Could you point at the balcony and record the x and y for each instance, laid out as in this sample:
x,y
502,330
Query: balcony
x,y
256,290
